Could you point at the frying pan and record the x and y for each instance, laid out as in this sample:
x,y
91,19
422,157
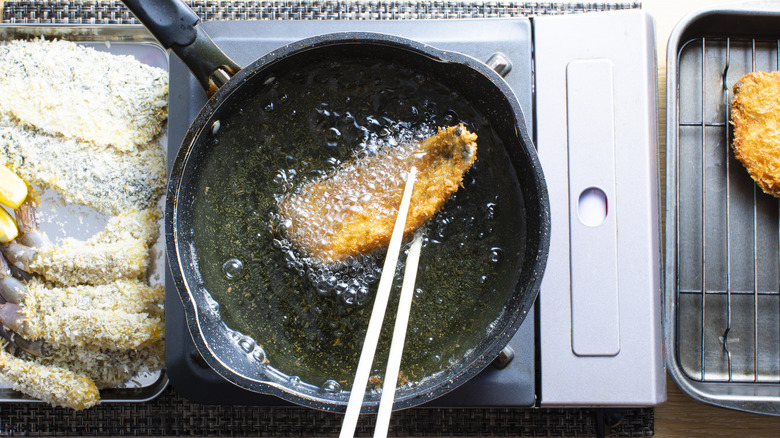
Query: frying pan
x,y
243,360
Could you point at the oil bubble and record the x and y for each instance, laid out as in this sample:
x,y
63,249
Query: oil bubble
x,y
280,178
450,118
294,381
371,277
362,295
333,134
349,297
331,386
214,306
246,344
323,288
259,355
341,287
492,210
290,258
215,127
496,255
233,269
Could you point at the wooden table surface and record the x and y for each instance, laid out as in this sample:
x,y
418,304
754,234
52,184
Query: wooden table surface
x,y
681,416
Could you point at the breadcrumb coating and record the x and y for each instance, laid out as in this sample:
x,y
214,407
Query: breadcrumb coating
x,y
86,124
103,178
101,328
108,368
132,296
55,385
113,316
121,250
352,211
63,88
755,114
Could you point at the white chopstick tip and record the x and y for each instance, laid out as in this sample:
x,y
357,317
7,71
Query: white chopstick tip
x,y
399,338
373,331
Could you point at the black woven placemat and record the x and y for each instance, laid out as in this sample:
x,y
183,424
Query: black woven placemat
x,y
172,415
113,12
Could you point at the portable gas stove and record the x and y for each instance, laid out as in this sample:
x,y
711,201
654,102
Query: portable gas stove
x,y
587,86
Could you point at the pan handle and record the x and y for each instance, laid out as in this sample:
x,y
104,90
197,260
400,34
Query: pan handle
x,y
175,26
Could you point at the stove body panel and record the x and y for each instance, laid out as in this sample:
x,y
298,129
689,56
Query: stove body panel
x,y
600,301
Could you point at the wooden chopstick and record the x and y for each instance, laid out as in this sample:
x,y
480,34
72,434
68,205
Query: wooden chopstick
x,y
366,360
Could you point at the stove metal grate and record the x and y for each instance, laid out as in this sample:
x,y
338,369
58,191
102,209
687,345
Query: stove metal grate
x,y
728,271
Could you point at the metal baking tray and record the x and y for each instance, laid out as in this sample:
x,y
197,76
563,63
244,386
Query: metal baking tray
x,y
83,222
722,294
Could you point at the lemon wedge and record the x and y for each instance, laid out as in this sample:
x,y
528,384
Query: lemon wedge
x,y
13,190
8,229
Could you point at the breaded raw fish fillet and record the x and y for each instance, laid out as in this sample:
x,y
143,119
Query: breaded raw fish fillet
x,y
755,114
64,89
352,210
103,178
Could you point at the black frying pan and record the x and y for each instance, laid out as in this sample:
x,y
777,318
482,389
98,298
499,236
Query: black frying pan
x,y
506,181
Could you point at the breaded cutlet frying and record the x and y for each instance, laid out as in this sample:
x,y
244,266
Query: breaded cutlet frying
x,y
352,210
755,114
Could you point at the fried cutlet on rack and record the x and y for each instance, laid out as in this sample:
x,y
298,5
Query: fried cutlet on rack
x,y
755,114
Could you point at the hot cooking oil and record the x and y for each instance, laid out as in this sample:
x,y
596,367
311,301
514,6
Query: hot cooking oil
x,y
311,318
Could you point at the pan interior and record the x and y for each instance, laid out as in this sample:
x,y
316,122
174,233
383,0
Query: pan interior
x,y
294,122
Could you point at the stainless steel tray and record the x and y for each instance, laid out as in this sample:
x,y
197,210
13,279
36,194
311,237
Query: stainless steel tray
x,y
722,294
84,222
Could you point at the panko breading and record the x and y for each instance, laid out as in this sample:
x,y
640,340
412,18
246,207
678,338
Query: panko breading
x,y
119,315
106,367
120,251
87,125
64,89
101,328
104,178
55,385
130,296
352,211
755,114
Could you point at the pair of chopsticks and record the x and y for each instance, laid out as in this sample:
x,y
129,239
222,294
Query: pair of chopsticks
x,y
375,324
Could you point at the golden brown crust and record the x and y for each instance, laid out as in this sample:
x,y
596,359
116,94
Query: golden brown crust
x,y
353,211
755,114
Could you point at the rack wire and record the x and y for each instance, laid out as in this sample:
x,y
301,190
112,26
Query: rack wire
x,y
728,252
